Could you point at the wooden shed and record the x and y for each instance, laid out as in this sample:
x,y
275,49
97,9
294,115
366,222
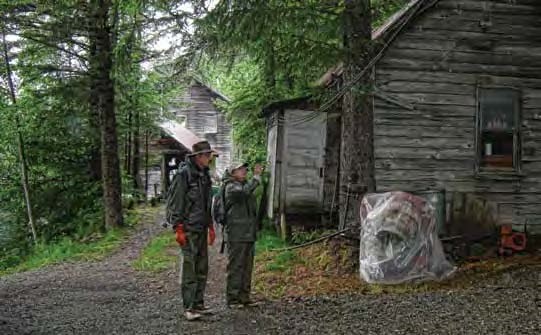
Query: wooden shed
x,y
302,168
457,107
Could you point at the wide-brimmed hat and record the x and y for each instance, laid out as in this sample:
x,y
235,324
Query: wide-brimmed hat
x,y
202,147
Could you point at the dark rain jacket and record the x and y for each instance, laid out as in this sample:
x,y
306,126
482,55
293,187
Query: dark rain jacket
x,y
189,198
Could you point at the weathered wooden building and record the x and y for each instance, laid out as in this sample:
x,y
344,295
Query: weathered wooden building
x,y
197,119
196,110
457,104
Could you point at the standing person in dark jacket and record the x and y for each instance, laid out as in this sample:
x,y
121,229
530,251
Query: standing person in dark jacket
x,y
188,210
241,230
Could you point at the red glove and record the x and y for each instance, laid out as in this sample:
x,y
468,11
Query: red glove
x,y
181,236
211,235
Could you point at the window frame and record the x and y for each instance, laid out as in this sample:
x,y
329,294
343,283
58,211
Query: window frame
x,y
517,136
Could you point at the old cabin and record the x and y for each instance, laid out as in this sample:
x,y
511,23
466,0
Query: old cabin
x,y
457,107
197,118
196,110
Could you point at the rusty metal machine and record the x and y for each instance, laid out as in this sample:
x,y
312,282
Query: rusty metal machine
x,y
512,241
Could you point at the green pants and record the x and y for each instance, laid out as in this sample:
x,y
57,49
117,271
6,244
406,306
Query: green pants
x,y
239,271
194,269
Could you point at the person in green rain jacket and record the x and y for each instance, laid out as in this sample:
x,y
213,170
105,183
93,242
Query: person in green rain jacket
x,y
240,233
188,211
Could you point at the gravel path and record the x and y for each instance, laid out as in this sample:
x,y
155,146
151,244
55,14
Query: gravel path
x,y
109,297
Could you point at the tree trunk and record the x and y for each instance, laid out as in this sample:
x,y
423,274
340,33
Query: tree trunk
x,y
357,147
102,82
136,154
147,135
94,164
20,142
128,146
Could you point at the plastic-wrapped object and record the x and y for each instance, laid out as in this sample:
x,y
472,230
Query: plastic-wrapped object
x,y
399,241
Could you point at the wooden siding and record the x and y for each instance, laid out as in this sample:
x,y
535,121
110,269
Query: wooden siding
x,y
197,106
304,157
272,166
436,65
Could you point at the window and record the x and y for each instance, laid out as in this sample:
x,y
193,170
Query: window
x,y
498,129
211,124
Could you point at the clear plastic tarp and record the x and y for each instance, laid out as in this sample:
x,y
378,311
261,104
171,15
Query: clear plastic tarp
x,y
399,241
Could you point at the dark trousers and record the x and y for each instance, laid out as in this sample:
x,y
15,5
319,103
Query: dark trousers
x,y
239,271
194,269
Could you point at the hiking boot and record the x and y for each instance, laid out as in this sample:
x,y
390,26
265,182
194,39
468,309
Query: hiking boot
x,y
235,305
251,303
192,315
203,310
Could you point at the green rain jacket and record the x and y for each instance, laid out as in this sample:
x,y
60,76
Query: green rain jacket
x,y
241,213
189,198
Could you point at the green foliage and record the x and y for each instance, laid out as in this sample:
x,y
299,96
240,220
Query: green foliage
x,y
159,255
48,53
64,249
259,51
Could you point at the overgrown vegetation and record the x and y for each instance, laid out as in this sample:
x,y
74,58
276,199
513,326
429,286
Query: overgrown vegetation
x,y
316,270
48,50
90,246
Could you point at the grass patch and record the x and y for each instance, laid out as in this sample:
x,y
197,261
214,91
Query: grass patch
x,y
91,248
268,241
159,255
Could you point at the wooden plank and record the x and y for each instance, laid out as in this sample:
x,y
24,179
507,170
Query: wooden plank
x,y
481,69
425,111
505,7
421,152
442,131
384,75
466,186
382,143
437,98
497,18
465,164
414,175
533,197
453,24
472,57
427,87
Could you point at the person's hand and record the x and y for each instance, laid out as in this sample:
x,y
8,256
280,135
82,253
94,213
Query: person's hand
x,y
258,170
180,235
211,235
